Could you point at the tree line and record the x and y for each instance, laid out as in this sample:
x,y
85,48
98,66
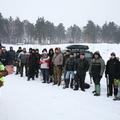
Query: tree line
x,y
45,32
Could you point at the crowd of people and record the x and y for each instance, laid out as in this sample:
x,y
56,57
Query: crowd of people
x,y
53,64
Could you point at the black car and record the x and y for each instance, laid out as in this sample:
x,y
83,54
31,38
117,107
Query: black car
x,y
77,49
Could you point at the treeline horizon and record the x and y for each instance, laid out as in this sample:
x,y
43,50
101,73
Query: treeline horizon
x,y
13,31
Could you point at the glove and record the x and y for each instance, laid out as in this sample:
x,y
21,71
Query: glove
x,y
75,72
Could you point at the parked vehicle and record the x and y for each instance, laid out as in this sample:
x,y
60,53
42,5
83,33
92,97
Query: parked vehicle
x,y
77,49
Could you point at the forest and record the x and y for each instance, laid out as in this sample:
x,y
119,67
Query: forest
x,y
14,31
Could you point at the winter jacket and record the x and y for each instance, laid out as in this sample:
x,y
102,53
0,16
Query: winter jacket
x,y
81,66
5,58
12,54
97,67
23,57
44,62
32,60
69,65
113,68
51,57
65,57
58,59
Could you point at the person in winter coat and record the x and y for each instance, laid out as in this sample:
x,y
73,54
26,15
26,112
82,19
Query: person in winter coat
x,y
38,56
5,57
69,68
12,55
96,70
4,70
44,66
81,67
51,54
57,62
17,61
23,58
113,73
32,63
66,55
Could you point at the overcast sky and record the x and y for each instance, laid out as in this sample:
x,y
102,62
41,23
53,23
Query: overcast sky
x,y
68,12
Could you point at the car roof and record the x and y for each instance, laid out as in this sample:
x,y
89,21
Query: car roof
x,y
79,47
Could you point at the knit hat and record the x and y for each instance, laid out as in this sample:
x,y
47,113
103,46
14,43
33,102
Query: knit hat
x,y
82,53
44,50
113,54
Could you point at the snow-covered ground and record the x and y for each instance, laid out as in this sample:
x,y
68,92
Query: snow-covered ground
x,y
32,100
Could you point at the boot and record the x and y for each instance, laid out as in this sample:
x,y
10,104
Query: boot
x,y
51,80
33,78
71,84
97,89
28,79
59,83
66,84
37,75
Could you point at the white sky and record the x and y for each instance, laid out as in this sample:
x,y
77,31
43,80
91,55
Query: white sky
x,y
68,12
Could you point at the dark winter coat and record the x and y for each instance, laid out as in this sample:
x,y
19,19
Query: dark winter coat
x,y
37,56
81,66
113,68
65,57
32,63
51,57
97,67
51,54
12,54
70,64
5,58
32,60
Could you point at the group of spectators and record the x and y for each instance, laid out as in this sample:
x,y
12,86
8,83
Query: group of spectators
x,y
53,64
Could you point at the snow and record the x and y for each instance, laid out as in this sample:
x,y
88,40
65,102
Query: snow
x,y
32,100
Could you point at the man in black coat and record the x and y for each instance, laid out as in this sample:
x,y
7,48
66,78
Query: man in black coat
x,y
113,72
32,63
81,67
12,55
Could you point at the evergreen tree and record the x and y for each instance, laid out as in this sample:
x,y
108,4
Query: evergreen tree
x,y
89,32
73,34
60,33
109,32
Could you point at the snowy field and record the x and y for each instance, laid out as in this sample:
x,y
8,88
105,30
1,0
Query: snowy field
x,y
32,100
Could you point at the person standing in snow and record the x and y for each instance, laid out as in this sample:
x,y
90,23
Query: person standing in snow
x,y
58,63
4,70
113,73
5,57
17,61
23,58
32,63
81,67
38,56
51,54
96,70
69,68
66,55
44,66
11,53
